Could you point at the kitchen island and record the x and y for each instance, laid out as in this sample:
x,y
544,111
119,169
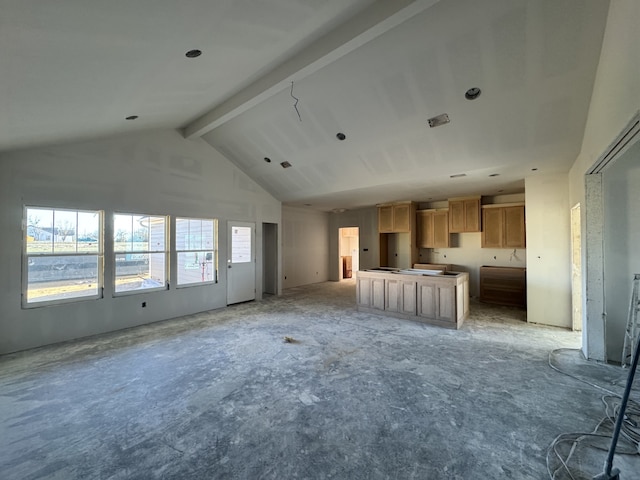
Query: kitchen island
x,y
428,296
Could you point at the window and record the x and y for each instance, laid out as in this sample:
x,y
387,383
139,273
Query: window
x,y
140,247
63,255
197,252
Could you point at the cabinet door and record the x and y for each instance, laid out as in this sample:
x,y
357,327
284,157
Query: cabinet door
x,y
472,215
392,297
514,231
446,303
456,216
425,230
440,229
385,219
426,297
492,228
408,293
363,291
402,218
377,293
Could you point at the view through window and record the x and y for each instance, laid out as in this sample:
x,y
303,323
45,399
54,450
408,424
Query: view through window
x,y
140,246
63,254
196,250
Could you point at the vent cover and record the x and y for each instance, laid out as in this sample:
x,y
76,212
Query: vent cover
x,y
438,120
285,164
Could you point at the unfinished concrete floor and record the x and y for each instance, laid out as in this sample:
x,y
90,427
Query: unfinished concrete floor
x,y
355,396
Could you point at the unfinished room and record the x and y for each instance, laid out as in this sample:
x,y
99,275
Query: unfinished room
x,y
294,239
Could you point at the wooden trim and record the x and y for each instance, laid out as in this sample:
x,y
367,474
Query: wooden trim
x,y
498,205
471,197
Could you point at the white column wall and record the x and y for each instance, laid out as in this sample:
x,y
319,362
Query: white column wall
x,y
305,246
548,250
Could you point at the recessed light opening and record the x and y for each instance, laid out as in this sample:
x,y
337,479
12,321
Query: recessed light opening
x,y
472,93
494,174
193,53
458,175
340,136
131,117
267,159
534,169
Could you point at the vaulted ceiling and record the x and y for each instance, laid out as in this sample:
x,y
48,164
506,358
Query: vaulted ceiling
x,y
373,70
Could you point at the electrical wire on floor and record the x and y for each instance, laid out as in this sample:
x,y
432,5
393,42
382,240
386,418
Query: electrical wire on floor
x,y
557,369
564,446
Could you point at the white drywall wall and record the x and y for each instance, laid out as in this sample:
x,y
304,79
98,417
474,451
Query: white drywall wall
x,y
548,250
621,185
157,172
614,101
305,246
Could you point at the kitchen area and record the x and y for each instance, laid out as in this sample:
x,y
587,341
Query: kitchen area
x,y
481,239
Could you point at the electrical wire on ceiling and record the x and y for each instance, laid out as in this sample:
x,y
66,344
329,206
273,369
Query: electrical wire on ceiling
x,y
295,105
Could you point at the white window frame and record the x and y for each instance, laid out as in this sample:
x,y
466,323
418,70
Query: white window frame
x,y
117,252
214,249
26,256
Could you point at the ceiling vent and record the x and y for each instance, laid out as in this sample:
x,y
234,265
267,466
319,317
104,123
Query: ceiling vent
x,y
458,175
285,164
439,120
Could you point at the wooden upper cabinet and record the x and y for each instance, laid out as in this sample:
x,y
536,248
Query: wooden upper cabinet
x,y
492,228
464,214
433,228
514,229
396,218
441,229
425,229
385,219
402,217
503,226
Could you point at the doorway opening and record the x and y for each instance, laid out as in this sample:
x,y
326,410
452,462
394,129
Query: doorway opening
x,y
270,258
349,247
576,269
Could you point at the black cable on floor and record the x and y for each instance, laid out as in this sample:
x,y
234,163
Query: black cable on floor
x,y
630,430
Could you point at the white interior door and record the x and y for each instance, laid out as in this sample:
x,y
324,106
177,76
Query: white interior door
x,y
241,263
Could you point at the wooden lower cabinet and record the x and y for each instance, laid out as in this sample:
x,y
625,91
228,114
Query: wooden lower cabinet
x,y
504,286
370,292
441,300
400,296
437,302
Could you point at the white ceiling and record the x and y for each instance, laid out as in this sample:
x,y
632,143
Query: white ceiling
x,y
376,71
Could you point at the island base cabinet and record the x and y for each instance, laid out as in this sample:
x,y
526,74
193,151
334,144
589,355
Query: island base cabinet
x,y
370,293
441,300
437,302
400,296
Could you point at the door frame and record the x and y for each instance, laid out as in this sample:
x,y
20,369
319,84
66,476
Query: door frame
x,y
231,299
